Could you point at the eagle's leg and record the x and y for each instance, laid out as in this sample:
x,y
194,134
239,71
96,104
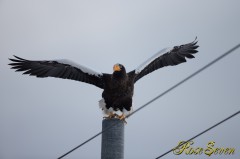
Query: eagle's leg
x,y
110,115
122,117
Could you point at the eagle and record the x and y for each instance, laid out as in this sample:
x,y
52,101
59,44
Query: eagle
x,y
118,87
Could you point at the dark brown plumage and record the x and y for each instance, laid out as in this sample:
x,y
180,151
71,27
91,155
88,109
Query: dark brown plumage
x,y
118,87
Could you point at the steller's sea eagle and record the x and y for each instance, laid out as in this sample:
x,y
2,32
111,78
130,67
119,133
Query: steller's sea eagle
x,y
117,87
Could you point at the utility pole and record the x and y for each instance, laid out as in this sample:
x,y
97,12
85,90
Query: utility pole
x,y
112,139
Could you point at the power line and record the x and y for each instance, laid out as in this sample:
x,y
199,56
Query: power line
x,y
87,141
160,95
200,133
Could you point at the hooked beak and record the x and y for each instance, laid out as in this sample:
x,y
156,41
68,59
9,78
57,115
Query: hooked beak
x,y
116,68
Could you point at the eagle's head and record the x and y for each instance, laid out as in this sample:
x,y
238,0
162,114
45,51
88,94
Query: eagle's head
x,y
119,70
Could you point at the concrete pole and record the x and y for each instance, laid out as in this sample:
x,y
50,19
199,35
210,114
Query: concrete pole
x,y
112,139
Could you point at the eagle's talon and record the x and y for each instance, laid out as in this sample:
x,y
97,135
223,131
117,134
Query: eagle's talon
x,y
110,116
122,118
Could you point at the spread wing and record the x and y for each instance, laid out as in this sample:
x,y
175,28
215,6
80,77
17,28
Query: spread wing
x,y
166,57
58,68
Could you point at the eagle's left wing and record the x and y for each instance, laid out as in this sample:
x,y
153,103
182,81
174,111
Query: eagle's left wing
x,y
65,69
165,57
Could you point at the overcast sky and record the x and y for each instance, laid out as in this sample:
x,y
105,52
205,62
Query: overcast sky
x,y
44,118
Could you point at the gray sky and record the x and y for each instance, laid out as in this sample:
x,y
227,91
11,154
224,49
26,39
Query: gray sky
x,y
44,118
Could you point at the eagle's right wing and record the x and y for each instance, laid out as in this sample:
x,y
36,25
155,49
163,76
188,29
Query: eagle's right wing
x,y
58,68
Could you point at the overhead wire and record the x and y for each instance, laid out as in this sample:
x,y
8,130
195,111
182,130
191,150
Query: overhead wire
x,y
231,116
160,95
88,140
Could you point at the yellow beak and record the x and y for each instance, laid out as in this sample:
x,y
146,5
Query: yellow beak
x,y
116,68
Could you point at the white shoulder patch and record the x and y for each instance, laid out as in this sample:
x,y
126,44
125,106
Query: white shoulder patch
x,y
147,62
82,68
